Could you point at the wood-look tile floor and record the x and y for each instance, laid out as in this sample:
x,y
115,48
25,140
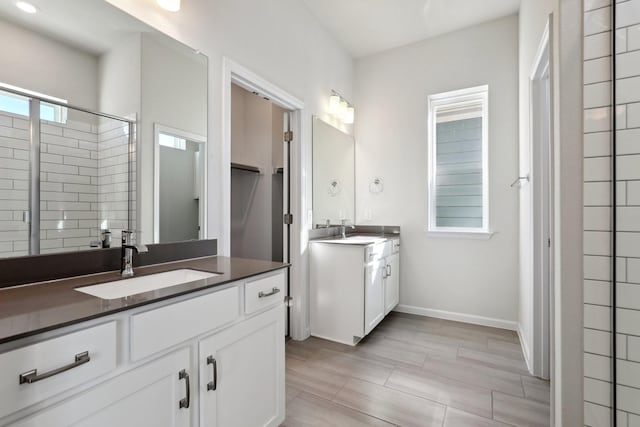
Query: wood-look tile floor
x,y
415,371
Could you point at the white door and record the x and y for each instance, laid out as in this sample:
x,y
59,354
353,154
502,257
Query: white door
x,y
242,373
150,395
373,294
392,283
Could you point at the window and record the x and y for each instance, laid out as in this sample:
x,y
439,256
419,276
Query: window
x,y
172,141
458,162
18,104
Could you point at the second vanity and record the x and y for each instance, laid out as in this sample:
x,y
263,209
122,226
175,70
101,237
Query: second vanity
x,y
208,352
354,285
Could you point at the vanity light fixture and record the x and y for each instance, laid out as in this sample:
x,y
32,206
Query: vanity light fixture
x,y
340,108
170,5
26,7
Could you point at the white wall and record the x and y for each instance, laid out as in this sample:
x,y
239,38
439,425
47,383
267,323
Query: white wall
x,y
259,35
65,72
532,21
468,277
119,78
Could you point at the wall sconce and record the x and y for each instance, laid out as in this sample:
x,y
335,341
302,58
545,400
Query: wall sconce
x,y
340,108
170,5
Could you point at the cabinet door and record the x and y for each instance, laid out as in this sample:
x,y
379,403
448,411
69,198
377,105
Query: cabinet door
x,y
373,294
242,373
392,283
146,396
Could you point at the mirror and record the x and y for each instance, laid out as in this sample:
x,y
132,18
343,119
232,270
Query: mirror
x,y
106,82
333,175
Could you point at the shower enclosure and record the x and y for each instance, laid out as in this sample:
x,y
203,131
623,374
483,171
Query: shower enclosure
x,y
67,175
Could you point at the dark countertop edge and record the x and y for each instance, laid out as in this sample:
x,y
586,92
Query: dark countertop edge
x,y
33,332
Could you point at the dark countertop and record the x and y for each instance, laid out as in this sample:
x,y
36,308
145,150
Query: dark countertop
x,y
31,309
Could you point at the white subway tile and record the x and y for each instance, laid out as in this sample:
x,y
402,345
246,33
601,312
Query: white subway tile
x,y
597,21
634,420
51,215
628,90
14,133
597,119
628,167
597,46
621,346
633,270
597,144
76,134
80,188
58,224
628,13
87,197
597,95
628,321
68,151
60,169
50,186
58,197
627,141
46,128
621,269
597,169
628,218
21,154
628,244
621,117
597,218
77,161
59,140
14,164
87,171
68,206
62,234
597,268
621,40
628,64
597,70
81,214
597,342
597,292
633,37
633,348
628,398
628,296
622,419
6,195
8,236
596,391
72,179
633,193
83,242
598,367
597,317
50,243
18,144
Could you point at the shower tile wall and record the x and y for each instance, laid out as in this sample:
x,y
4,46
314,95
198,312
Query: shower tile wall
x,y
81,172
597,213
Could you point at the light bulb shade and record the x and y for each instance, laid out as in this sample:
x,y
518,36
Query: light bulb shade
x,y
26,7
170,5
350,116
334,105
342,112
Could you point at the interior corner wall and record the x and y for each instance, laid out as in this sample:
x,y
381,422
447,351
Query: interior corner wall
x,y
69,73
466,279
533,18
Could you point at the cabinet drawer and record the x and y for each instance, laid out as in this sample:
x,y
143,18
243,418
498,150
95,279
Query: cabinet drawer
x,y
264,292
164,327
59,364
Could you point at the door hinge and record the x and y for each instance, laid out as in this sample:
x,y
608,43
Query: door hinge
x,y
288,219
549,242
288,136
288,301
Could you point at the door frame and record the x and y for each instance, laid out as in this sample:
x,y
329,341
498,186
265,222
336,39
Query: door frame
x,y
542,206
234,73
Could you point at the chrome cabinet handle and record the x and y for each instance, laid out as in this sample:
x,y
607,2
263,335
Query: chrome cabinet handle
x,y
32,376
186,401
213,385
268,294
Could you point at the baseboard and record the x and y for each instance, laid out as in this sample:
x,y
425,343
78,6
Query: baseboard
x,y
458,317
525,349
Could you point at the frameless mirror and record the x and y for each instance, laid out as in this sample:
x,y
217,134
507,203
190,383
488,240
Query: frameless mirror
x,y
104,83
333,175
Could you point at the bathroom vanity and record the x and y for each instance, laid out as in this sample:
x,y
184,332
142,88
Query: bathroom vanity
x,y
354,285
207,352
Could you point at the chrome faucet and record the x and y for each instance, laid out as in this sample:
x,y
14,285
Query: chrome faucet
x,y
343,228
126,264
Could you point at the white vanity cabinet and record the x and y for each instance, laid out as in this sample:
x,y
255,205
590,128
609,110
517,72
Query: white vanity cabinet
x,y
212,358
353,287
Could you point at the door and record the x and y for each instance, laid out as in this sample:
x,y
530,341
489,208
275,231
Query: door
x,y
155,394
373,294
392,283
242,373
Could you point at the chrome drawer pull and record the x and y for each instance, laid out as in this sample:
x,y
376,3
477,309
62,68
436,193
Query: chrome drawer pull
x,y
185,402
213,385
268,294
32,376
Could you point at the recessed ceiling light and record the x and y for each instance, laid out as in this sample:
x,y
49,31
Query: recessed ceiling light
x,y
170,5
26,7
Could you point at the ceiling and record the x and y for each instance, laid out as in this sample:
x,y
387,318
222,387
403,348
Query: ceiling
x,y
366,27
90,25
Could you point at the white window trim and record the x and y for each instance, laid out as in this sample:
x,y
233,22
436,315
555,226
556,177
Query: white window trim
x,y
458,98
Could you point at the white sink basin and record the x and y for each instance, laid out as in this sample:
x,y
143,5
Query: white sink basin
x,y
137,285
356,240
